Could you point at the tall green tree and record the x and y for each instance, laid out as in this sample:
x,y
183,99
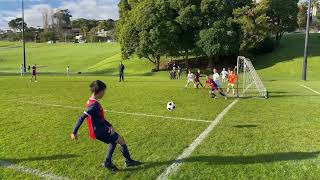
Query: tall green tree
x,y
16,24
283,16
302,15
149,31
253,22
188,18
62,22
218,35
218,40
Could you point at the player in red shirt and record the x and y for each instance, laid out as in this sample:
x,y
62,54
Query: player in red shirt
x,y
34,73
101,129
213,88
197,79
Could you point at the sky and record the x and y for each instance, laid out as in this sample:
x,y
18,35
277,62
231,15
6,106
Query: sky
x,y
90,9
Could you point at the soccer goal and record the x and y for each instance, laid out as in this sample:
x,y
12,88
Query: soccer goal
x,y
249,83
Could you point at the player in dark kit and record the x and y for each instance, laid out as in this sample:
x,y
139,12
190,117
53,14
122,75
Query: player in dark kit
x,y
101,129
197,79
34,73
213,88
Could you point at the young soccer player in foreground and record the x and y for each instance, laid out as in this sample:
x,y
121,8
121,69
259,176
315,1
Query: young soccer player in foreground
x,y
214,88
101,129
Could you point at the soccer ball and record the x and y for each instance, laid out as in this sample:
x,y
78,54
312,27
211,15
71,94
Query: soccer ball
x,y
171,106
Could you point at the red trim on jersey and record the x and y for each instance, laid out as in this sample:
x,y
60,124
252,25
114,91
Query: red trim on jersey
x,y
89,122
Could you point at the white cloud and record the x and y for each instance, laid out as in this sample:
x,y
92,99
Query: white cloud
x,y
90,9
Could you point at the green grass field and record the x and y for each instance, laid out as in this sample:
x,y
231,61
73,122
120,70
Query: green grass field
x,y
257,139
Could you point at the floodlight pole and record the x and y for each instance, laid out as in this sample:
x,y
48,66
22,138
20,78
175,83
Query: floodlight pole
x,y
305,61
23,39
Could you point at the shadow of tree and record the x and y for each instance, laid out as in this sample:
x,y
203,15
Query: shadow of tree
x,y
231,160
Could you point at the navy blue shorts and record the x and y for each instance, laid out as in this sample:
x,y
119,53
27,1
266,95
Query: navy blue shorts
x,y
107,138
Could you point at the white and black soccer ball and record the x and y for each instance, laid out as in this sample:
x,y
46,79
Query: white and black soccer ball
x,y
171,106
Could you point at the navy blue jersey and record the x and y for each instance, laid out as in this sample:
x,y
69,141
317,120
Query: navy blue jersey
x,y
95,119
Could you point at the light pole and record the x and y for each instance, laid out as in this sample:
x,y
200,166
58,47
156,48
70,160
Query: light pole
x,y
23,40
305,61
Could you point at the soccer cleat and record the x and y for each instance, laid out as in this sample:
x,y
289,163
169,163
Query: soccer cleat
x,y
110,166
132,163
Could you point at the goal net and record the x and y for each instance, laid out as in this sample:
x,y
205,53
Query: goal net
x,y
249,83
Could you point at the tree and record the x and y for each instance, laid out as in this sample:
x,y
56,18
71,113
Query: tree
x,y
85,25
218,40
253,22
189,20
302,15
106,24
283,16
62,21
218,35
16,24
149,31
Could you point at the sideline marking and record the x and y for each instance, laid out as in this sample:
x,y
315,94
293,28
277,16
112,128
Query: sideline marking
x,y
119,112
187,152
310,89
35,172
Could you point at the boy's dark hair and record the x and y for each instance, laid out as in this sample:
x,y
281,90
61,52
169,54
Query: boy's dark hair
x,y
97,86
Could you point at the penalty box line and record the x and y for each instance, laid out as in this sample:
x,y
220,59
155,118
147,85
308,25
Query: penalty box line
x,y
310,89
119,112
35,172
188,151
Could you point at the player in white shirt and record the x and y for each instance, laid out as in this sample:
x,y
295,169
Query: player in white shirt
x,y
224,75
22,70
190,79
216,78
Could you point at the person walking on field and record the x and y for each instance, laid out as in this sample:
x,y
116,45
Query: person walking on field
x,y
121,72
34,73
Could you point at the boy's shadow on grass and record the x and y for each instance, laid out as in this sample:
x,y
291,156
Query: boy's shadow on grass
x,y
232,160
42,158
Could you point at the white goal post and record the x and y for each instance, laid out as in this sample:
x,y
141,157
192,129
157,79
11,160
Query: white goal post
x,y
249,83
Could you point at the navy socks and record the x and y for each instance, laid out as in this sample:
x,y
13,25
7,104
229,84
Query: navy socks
x,y
125,153
112,147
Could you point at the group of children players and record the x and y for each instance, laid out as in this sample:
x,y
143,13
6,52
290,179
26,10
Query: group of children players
x,y
214,82
99,128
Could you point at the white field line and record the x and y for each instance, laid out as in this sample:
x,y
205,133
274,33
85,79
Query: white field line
x,y
187,152
35,172
310,89
119,112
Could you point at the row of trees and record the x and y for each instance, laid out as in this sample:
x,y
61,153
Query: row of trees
x,y
207,28
58,26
